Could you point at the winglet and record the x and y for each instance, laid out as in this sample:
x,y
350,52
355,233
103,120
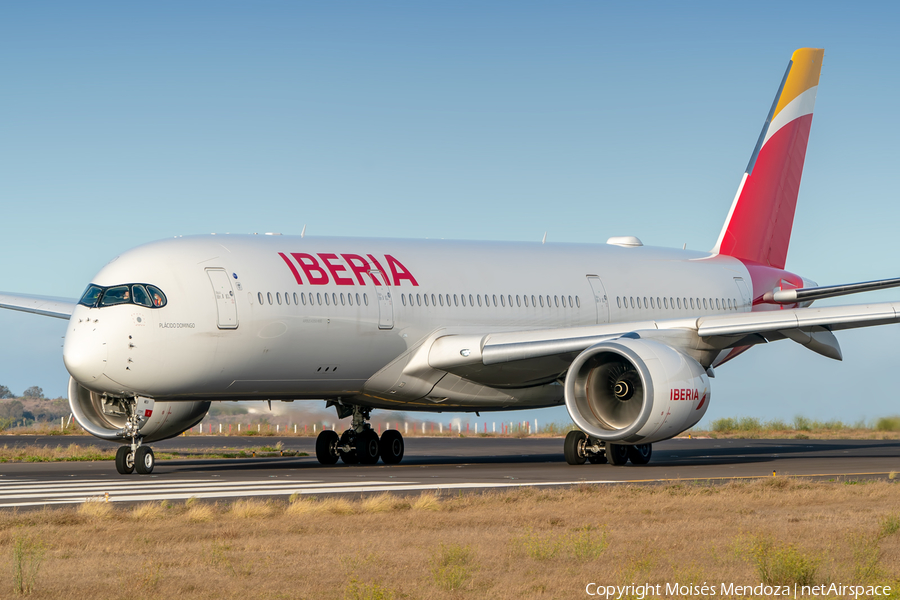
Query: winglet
x,y
758,227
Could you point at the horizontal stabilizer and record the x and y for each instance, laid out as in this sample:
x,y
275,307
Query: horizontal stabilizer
x,y
47,306
828,291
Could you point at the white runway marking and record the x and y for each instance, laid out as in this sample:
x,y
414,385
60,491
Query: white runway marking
x,y
39,493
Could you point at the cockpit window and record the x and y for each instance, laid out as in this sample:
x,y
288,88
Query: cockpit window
x,y
131,293
159,299
140,295
116,295
90,295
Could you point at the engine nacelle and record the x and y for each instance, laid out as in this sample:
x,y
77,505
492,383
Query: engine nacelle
x,y
635,391
106,417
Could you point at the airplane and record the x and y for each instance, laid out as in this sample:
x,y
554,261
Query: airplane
x,y
627,336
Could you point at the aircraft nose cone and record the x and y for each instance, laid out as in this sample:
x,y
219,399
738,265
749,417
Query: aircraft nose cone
x,y
85,351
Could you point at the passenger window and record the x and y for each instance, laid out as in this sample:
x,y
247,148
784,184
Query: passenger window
x,y
333,298
479,299
463,299
296,300
403,298
259,297
471,301
327,299
287,298
577,301
426,299
418,299
518,301
645,302
555,300
570,301
303,298
319,299
665,302
564,301
269,296
717,304
357,299
278,297
619,301
509,299
495,299
548,300
542,301
432,301
366,299
455,300
342,299
652,305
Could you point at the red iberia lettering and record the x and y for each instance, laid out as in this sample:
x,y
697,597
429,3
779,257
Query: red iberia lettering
x,y
358,265
340,267
335,269
684,394
399,271
291,267
311,267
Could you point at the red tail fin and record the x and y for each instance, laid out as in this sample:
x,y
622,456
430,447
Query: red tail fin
x,y
758,227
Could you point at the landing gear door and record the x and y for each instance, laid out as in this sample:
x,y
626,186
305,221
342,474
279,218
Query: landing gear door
x,y
226,306
385,302
600,299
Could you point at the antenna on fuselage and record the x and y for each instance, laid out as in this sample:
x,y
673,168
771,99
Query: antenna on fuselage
x,y
303,233
544,241
684,246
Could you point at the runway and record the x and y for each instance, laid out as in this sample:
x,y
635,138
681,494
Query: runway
x,y
439,464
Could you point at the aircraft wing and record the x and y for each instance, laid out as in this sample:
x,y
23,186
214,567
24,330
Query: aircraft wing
x,y
48,306
526,357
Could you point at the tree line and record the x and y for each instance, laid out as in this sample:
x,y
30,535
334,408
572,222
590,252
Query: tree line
x,y
25,408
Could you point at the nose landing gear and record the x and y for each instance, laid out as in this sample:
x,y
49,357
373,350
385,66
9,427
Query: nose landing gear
x,y
134,457
358,444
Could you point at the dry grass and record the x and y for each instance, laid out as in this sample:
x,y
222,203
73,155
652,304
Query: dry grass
x,y
524,543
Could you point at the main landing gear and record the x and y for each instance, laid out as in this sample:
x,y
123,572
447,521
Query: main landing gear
x,y
360,443
579,448
134,457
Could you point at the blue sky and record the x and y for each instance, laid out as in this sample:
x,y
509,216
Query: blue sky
x,y
126,123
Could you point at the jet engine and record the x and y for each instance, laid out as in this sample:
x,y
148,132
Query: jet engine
x,y
105,416
635,391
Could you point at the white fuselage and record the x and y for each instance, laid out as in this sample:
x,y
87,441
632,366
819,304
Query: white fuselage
x,y
279,317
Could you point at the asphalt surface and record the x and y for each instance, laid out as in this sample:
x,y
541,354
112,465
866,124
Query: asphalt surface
x,y
429,464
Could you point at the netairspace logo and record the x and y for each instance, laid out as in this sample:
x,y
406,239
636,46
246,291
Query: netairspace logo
x,y
676,590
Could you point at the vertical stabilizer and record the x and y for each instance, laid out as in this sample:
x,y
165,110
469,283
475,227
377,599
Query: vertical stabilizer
x,y
758,227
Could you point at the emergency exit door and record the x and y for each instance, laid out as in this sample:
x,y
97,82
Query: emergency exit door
x,y
226,306
600,300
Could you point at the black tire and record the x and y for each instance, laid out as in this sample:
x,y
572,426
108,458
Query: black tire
x,y
347,439
574,447
125,460
640,453
391,445
616,454
326,447
144,460
367,447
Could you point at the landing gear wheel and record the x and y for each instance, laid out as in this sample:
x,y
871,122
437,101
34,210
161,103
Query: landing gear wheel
x,y
391,447
640,454
125,460
367,447
616,454
349,457
574,447
144,460
326,447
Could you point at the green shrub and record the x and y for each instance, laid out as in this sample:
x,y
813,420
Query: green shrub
x,y
782,564
452,566
888,424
